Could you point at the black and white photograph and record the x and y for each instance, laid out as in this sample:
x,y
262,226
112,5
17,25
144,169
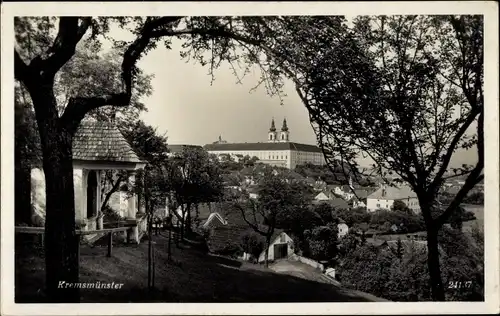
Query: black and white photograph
x,y
253,153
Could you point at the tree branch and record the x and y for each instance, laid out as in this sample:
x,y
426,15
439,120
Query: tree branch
x,y
21,70
451,149
78,107
474,178
219,32
64,46
253,226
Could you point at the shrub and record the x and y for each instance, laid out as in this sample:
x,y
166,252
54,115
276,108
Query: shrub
x,y
322,242
252,243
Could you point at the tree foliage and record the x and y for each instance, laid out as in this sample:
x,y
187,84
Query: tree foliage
x,y
252,243
322,242
405,92
45,45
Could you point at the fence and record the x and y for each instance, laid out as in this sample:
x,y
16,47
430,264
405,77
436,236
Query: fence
x,y
109,231
308,261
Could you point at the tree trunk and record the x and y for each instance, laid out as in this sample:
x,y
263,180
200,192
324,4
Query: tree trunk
x,y
150,250
188,219
433,265
115,188
169,256
268,244
61,242
22,191
183,211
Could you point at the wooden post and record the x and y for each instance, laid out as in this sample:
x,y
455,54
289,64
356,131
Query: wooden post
x,y
110,243
77,239
154,269
169,257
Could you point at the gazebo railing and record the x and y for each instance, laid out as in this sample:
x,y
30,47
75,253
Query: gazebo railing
x,y
109,231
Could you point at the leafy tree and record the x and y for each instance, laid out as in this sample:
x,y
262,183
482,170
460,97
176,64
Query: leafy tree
x,y
27,153
252,243
322,242
277,204
325,211
380,272
199,181
405,91
399,249
456,219
348,244
399,206
463,261
150,147
354,216
73,79
474,198
44,45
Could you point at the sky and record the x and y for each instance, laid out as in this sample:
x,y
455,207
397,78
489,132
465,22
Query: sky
x,y
189,109
193,111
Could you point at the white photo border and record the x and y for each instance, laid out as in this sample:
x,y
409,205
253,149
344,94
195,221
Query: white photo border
x,y
491,82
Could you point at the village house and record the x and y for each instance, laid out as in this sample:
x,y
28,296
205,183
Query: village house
x,y
281,247
278,150
336,203
324,195
342,228
97,146
385,197
253,192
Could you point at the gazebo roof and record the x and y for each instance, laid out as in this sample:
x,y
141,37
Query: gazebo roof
x,y
102,141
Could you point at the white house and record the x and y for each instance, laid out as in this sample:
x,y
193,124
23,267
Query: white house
x,y
343,229
324,196
385,196
357,203
276,151
344,191
281,247
214,219
97,146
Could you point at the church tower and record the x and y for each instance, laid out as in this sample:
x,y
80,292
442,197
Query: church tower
x,y
284,134
272,133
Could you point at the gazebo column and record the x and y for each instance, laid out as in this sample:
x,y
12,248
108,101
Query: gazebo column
x,y
132,209
100,215
142,204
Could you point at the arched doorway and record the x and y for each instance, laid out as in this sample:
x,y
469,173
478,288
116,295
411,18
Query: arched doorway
x,y
91,194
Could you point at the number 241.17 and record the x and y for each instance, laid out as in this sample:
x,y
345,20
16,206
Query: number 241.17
x,y
459,285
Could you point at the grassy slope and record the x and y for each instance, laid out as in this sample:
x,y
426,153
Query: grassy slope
x,y
193,276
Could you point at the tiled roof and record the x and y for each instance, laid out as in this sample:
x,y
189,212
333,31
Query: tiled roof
x,y
223,237
361,194
177,148
262,146
229,236
101,141
393,193
336,203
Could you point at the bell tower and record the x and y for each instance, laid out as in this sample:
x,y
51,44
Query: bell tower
x,y
272,133
284,134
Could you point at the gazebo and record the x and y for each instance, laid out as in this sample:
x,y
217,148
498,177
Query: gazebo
x,y
97,146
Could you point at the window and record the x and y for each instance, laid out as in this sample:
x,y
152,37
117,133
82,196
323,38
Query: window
x,y
378,205
282,238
